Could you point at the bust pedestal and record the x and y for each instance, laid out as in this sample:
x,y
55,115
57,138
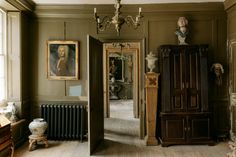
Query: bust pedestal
x,y
151,83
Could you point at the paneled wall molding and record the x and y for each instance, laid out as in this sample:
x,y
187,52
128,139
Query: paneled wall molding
x,y
231,13
23,5
229,4
232,116
62,98
232,65
83,11
232,36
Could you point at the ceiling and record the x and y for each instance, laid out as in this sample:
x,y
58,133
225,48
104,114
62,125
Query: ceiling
x,y
122,1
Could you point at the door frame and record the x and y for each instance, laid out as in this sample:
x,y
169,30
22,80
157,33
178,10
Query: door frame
x,y
130,47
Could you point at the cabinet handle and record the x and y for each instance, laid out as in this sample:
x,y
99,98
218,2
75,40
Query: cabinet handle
x,y
182,85
189,128
185,129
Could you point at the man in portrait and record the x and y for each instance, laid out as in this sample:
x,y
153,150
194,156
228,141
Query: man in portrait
x,y
62,63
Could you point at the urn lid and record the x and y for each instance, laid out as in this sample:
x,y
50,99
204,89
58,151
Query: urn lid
x,y
150,56
38,120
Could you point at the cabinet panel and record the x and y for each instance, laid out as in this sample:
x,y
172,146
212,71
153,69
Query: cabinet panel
x,y
177,74
185,129
193,80
165,79
173,129
184,67
204,79
199,128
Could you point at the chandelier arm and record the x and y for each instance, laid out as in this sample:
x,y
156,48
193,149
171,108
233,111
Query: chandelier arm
x,y
131,22
104,24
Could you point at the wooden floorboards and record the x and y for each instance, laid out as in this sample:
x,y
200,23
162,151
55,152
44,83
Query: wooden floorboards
x,y
116,149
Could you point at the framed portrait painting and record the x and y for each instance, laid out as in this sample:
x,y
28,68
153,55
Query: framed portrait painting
x,y
63,60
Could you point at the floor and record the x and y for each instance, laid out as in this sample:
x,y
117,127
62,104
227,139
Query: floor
x,y
121,114
121,140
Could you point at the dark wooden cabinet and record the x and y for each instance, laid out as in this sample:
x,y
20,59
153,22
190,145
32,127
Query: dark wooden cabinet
x,y
184,112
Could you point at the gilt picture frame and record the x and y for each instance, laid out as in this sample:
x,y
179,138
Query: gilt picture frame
x,y
62,60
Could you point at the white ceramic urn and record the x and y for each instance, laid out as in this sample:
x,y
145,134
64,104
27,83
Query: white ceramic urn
x,y
11,106
38,126
151,59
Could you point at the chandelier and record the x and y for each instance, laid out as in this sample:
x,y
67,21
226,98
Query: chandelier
x,y
117,20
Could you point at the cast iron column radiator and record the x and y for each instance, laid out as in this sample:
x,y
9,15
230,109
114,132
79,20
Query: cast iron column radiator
x,y
66,121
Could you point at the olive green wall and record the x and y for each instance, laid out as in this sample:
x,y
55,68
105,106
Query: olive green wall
x,y
230,7
207,24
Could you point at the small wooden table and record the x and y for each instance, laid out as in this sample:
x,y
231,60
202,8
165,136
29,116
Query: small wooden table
x,y
33,140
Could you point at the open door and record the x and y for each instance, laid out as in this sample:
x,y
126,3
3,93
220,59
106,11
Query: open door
x,y
95,93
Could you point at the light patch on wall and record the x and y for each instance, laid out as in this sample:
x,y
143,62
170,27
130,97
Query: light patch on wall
x,y
75,90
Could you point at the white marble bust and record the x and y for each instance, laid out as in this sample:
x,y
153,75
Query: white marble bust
x,y
182,30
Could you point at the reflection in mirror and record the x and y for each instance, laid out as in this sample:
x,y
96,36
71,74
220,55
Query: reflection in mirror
x,y
120,75
121,84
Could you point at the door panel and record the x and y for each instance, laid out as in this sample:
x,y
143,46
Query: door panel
x,y
177,85
95,93
193,80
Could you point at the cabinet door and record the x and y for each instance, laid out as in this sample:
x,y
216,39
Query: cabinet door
x,y
173,130
199,128
177,75
192,82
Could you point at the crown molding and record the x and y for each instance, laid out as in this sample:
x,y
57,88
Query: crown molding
x,y
102,2
23,5
4,5
229,4
66,11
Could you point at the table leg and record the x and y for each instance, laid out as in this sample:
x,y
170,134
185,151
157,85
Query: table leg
x,y
31,142
12,151
46,143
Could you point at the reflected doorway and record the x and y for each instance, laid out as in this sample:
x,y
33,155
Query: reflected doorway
x,y
121,80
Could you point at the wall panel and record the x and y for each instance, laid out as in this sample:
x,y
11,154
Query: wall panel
x,y
73,32
47,30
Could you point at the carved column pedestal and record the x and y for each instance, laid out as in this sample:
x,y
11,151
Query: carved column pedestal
x,y
151,84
